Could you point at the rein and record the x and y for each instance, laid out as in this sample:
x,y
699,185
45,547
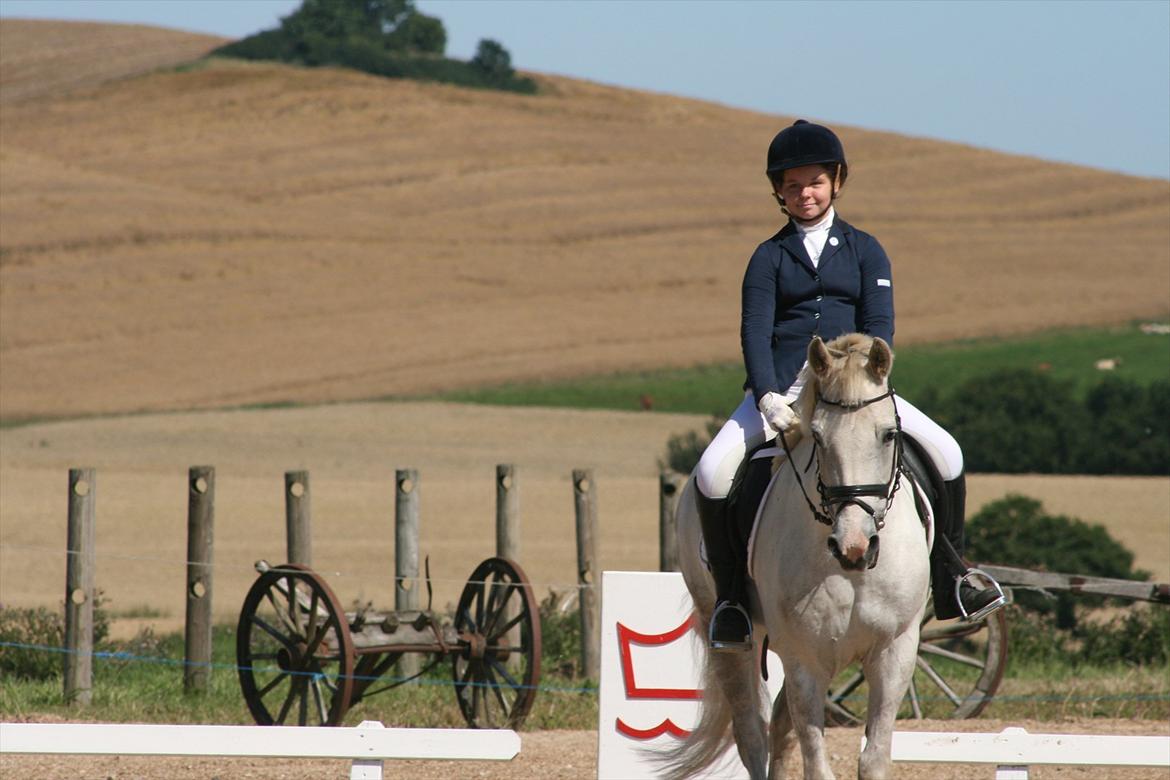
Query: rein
x,y
839,495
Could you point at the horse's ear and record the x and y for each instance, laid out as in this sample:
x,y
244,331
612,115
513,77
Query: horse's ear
x,y
819,358
881,359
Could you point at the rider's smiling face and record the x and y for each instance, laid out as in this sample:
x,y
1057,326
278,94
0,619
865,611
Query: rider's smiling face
x,y
807,191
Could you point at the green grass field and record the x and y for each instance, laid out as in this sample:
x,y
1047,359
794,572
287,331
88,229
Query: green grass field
x,y
141,680
144,684
1068,355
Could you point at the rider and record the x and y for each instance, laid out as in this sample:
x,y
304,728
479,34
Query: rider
x,y
818,276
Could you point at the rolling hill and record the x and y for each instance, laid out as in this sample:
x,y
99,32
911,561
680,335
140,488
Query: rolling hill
x,y
244,233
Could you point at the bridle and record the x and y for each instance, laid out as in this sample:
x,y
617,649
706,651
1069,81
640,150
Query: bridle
x,y
834,498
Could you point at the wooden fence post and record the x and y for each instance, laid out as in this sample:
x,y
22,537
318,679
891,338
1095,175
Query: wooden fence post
x,y
200,532
507,513
670,485
508,538
297,518
585,502
406,584
79,587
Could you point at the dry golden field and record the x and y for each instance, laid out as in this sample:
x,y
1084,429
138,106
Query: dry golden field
x,y
43,59
352,452
241,233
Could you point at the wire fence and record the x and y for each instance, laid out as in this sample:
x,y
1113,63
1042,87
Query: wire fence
x,y
250,570
585,590
130,657
124,656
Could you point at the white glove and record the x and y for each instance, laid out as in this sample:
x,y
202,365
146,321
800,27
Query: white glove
x,y
778,414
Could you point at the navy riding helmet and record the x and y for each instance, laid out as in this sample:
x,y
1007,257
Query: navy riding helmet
x,y
805,143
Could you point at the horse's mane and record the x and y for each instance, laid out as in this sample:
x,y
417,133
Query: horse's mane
x,y
848,381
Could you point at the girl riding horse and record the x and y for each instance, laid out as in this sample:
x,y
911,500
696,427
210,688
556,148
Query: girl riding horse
x,y
823,593
817,277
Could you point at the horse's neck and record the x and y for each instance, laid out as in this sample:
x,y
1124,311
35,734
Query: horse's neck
x,y
787,522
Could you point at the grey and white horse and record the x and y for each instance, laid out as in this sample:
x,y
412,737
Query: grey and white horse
x,y
823,594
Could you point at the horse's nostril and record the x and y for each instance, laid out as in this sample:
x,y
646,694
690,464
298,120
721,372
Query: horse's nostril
x,y
834,547
871,555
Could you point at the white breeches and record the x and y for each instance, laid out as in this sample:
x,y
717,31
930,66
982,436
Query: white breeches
x,y
747,429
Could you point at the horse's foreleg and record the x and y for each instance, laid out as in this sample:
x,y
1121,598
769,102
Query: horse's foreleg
x,y
783,739
888,674
806,707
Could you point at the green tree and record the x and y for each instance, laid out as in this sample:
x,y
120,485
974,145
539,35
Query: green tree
x,y
1015,421
418,33
332,20
321,25
493,59
1128,430
1015,531
385,37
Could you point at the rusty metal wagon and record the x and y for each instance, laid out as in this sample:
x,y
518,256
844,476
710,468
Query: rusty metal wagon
x,y
960,665
305,661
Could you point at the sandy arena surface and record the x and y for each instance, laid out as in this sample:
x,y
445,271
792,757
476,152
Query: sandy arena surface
x,y
572,755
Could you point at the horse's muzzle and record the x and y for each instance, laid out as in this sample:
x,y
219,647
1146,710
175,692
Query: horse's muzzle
x,y
855,557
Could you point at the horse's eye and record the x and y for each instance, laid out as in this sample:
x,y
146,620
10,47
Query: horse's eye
x,y
890,435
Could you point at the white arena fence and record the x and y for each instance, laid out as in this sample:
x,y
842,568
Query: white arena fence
x,y
1014,750
367,744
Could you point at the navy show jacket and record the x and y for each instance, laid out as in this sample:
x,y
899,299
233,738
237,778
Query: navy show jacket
x,y
786,301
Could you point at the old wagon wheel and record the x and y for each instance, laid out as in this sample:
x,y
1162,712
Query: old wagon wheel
x,y
958,669
496,667
294,650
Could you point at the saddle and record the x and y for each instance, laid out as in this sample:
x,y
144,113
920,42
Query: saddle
x,y
754,477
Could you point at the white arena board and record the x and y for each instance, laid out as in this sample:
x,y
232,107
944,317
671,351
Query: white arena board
x,y
650,693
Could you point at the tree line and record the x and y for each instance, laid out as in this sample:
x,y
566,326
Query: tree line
x,y
1016,421
384,37
1019,421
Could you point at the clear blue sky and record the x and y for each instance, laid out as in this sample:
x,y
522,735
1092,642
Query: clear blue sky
x,y
1082,82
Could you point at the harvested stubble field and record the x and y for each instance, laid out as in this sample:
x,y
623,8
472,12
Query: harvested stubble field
x,y
239,233
242,233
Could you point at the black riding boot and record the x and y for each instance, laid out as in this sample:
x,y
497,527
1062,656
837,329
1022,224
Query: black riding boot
x,y
947,567
731,625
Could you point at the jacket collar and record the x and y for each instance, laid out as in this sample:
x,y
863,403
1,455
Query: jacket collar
x,y
835,241
789,238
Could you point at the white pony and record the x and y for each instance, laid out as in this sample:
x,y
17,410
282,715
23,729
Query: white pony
x,y
823,594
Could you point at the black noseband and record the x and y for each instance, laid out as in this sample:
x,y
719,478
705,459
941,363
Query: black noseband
x,y
834,498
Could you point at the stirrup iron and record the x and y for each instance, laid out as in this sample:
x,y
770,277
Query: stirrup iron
x,y
743,644
986,610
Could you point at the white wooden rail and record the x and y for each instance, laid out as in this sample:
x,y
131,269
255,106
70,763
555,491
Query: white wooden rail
x,y
368,744
1014,750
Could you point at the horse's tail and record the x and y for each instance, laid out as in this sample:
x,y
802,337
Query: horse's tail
x,y
730,681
